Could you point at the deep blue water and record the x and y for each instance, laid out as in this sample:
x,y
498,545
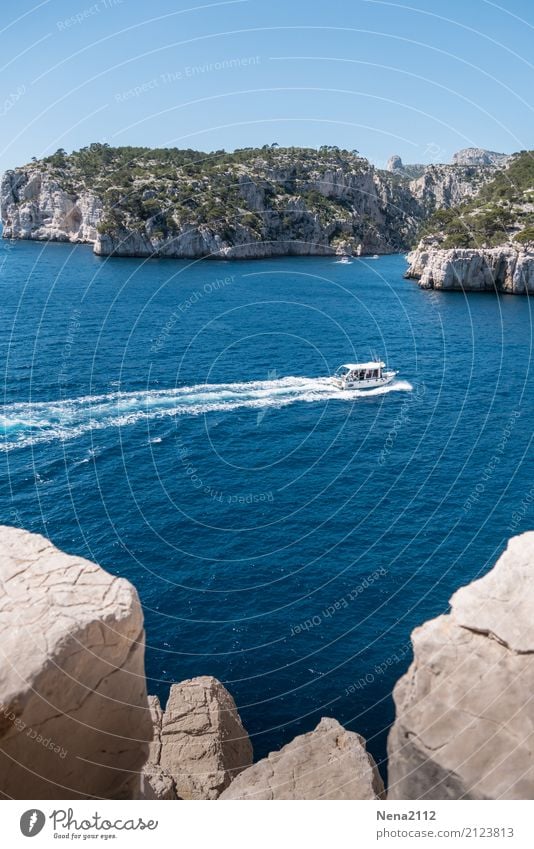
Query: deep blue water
x,y
168,420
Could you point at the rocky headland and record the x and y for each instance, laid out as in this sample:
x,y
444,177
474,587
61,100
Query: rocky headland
x,y
248,204
485,244
508,269
76,721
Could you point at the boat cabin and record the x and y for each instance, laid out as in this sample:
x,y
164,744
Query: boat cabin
x,y
354,372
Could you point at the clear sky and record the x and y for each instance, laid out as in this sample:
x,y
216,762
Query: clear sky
x,y
420,79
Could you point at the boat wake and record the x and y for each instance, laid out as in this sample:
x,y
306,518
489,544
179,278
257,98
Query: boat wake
x,y
24,424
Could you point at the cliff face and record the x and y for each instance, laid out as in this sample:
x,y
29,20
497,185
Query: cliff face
x,y
464,726
504,269
479,156
253,203
443,186
35,206
486,243
331,211
327,763
75,720
74,717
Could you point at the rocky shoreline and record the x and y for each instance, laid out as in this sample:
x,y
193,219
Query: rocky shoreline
x,y
76,720
507,269
251,204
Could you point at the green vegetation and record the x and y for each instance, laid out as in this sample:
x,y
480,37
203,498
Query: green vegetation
x,y
526,235
270,191
501,209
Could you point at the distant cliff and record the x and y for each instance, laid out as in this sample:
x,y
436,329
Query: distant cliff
x,y
486,243
508,269
248,204
479,156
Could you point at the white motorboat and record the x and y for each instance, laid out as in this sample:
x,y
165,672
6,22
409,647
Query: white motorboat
x,y
363,375
344,260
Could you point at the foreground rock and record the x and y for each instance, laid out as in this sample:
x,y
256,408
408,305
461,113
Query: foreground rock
x,y
156,783
74,717
203,742
465,721
327,763
505,269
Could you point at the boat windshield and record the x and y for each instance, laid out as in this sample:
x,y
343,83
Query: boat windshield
x,y
360,371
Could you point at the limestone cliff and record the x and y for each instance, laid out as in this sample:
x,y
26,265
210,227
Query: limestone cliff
x,y
479,156
443,186
508,269
486,243
74,718
327,763
247,204
464,726
36,206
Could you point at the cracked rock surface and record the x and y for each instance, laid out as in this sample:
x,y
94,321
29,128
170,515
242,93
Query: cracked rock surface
x,y
74,718
156,783
203,742
327,763
464,724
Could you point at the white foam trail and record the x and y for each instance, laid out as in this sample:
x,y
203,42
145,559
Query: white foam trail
x,y
26,424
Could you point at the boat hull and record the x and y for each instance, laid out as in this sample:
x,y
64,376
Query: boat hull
x,y
371,383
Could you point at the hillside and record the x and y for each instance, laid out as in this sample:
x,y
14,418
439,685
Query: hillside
x,y
254,202
486,244
501,212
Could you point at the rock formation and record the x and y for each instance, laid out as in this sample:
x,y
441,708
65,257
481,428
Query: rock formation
x,y
443,186
74,719
37,207
278,203
327,763
394,163
503,269
246,205
396,166
464,726
156,783
479,156
203,742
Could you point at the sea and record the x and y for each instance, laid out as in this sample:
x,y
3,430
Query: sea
x,y
175,422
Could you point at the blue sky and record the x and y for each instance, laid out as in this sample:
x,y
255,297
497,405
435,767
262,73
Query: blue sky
x,y
420,80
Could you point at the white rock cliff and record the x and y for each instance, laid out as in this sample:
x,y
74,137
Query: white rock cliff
x,y
74,718
373,212
327,763
464,726
503,269
203,742
34,206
